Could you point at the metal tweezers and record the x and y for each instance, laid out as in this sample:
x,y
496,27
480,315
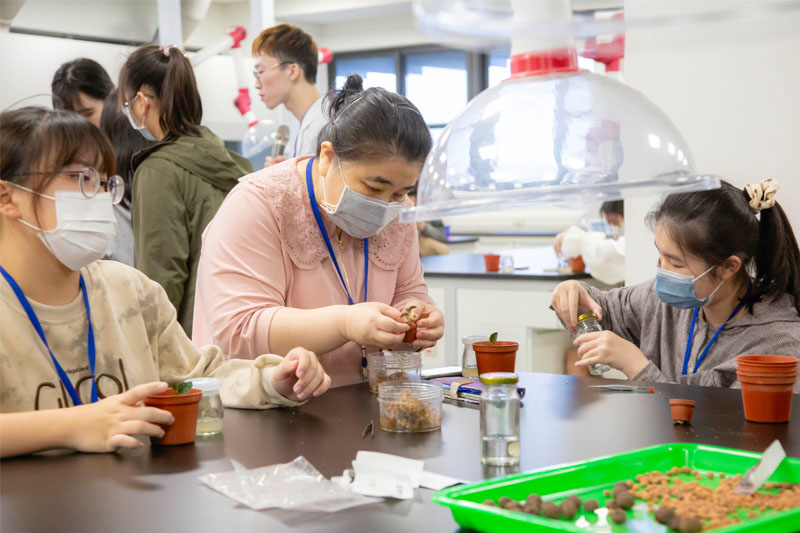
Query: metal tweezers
x,y
368,429
623,388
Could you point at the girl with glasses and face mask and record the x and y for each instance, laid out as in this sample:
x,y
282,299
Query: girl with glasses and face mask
x,y
309,251
727,283
85,341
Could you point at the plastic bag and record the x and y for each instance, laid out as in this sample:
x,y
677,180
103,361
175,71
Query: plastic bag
x,y
295,485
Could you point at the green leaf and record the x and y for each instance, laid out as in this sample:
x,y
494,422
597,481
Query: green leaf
x,y
493,337
407,313
181,388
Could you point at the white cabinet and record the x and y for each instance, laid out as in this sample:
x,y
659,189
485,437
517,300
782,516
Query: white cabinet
x,y
435,357
517,314
517,308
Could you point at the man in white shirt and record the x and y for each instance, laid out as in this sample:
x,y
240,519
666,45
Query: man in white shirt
x,y
286,61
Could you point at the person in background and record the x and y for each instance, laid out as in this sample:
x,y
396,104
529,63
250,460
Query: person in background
x,y
125,141
85,341
603,255
727,283
432,235
286,60
324,263
81,85
179,182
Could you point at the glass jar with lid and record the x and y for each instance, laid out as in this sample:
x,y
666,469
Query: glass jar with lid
x,y
588,323
210,411
469,363
500,405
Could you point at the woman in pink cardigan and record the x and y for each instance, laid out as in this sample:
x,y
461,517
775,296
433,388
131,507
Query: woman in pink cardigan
x,y
309,252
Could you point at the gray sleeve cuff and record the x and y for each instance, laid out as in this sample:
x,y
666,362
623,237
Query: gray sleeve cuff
x,y
650,373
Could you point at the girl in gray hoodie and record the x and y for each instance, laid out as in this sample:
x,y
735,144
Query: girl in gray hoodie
x,y
727,284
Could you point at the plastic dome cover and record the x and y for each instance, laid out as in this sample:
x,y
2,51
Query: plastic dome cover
x,y
558,139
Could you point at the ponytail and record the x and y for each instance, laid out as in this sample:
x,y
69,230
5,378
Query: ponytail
x,y
778,258
714,225
169,73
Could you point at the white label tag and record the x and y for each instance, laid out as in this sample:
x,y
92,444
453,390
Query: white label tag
x,y
758,474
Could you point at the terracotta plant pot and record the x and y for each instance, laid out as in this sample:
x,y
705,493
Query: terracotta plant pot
x,y
577,264
498,357
681,410
184,408
767,398
492,262
766,362
778,378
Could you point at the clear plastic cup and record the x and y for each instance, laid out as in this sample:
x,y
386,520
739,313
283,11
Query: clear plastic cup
x,y
376,370
403,366
410,407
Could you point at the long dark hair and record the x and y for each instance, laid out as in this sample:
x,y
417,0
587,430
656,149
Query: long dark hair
x,y
79,76
172,78
372,124
714,225
125,140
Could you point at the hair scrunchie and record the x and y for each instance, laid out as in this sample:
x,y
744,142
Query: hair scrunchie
x,y
762,195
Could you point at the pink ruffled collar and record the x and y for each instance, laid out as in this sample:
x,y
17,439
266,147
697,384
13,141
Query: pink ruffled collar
x,y
287,194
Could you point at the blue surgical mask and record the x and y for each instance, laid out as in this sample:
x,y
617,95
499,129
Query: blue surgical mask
x,y
677,290
141,129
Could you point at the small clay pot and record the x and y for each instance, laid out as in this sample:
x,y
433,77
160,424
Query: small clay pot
x,y
492,262
577,264
767,399
498,357
681,410
184,408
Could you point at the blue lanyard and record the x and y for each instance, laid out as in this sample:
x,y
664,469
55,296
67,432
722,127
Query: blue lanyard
x,y
321,225
707,348
76,400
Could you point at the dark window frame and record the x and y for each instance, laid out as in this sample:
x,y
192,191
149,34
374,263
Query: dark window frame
x,y
477,66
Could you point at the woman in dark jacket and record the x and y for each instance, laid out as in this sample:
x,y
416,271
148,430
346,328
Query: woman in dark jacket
x,y
180,182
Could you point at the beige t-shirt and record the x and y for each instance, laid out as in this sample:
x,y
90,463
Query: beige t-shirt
x,y
137,338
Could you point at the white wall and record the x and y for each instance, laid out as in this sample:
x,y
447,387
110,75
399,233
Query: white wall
x,y
732,89
29,70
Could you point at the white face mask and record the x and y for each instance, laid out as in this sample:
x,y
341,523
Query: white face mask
x,y
126,110
358,215
84,228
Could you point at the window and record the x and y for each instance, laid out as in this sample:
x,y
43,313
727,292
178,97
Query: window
x,y
438,81
377,71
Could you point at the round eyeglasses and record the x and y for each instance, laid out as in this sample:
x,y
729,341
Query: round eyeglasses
x,y
89,182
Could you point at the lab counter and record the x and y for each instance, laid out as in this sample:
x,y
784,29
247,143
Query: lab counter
x,y
157,489
532,264
516,305
489,241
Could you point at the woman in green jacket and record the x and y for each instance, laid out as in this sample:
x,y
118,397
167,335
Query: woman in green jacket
x,y
180,182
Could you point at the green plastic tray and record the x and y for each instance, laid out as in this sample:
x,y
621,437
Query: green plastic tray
x,y
589,479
